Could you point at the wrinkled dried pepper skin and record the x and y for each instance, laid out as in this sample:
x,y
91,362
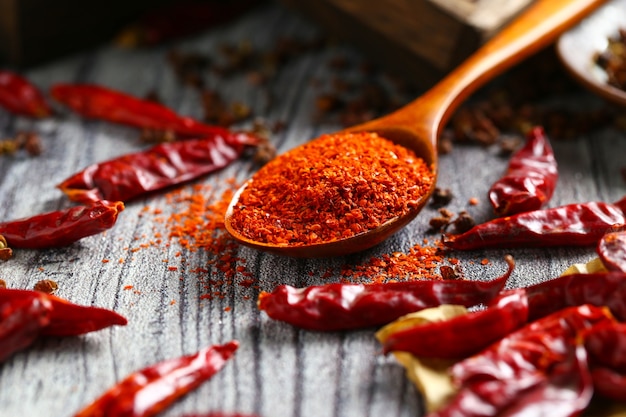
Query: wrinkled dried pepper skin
x,y
569,225
97,102
606,346
335,307
165,165
612,251
150,390
65,318
609,383
68,319
540,369
465,335
27,314
598,289
20,96
61,227
530,179
21,322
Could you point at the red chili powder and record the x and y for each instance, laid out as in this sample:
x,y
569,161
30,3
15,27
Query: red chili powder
x,y
421,262
198,224
331,188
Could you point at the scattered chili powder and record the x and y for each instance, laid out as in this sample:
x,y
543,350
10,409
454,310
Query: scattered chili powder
x,y
197,224
47,286
3,283
334,187
421,262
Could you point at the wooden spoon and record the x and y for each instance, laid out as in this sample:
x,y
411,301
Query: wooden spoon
x,y
418,125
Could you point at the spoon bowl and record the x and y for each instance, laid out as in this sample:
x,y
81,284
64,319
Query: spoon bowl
x,y
578,47
417,125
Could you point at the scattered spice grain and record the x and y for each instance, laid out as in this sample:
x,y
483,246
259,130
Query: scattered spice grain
x,y
613,60
440,222
331,188
47,286
463,222
441,197
6,252
420,262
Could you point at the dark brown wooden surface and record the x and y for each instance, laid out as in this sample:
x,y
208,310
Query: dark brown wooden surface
x,y
278,371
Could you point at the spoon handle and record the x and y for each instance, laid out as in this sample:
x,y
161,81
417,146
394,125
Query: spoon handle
x,y
537,27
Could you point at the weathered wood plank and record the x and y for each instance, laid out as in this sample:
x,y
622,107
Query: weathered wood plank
x,y
278,371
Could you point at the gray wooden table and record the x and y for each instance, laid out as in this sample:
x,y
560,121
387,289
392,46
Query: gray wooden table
x,y
278,371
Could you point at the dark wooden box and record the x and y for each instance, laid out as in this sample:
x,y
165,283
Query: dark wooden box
x,y
420,39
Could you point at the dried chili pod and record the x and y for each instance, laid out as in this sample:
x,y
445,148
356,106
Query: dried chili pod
x,y
68,319
334,307
606,345
530,179
541,369
164,165
97,102
599,289
612,251
20,96
61,227
64,318
152,389
21,321
570,225
464,335
609,383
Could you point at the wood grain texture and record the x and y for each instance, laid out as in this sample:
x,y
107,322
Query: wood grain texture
x,y
278,371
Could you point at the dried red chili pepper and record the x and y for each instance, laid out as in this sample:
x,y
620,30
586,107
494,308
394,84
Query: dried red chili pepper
x,y
465,335
61,227
96,102
609,383
65,318
540,369
606,345
334,307
152,389
27,314
20,96
164,165
68,319
599,289
530,179
21,321
569,225
612,251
